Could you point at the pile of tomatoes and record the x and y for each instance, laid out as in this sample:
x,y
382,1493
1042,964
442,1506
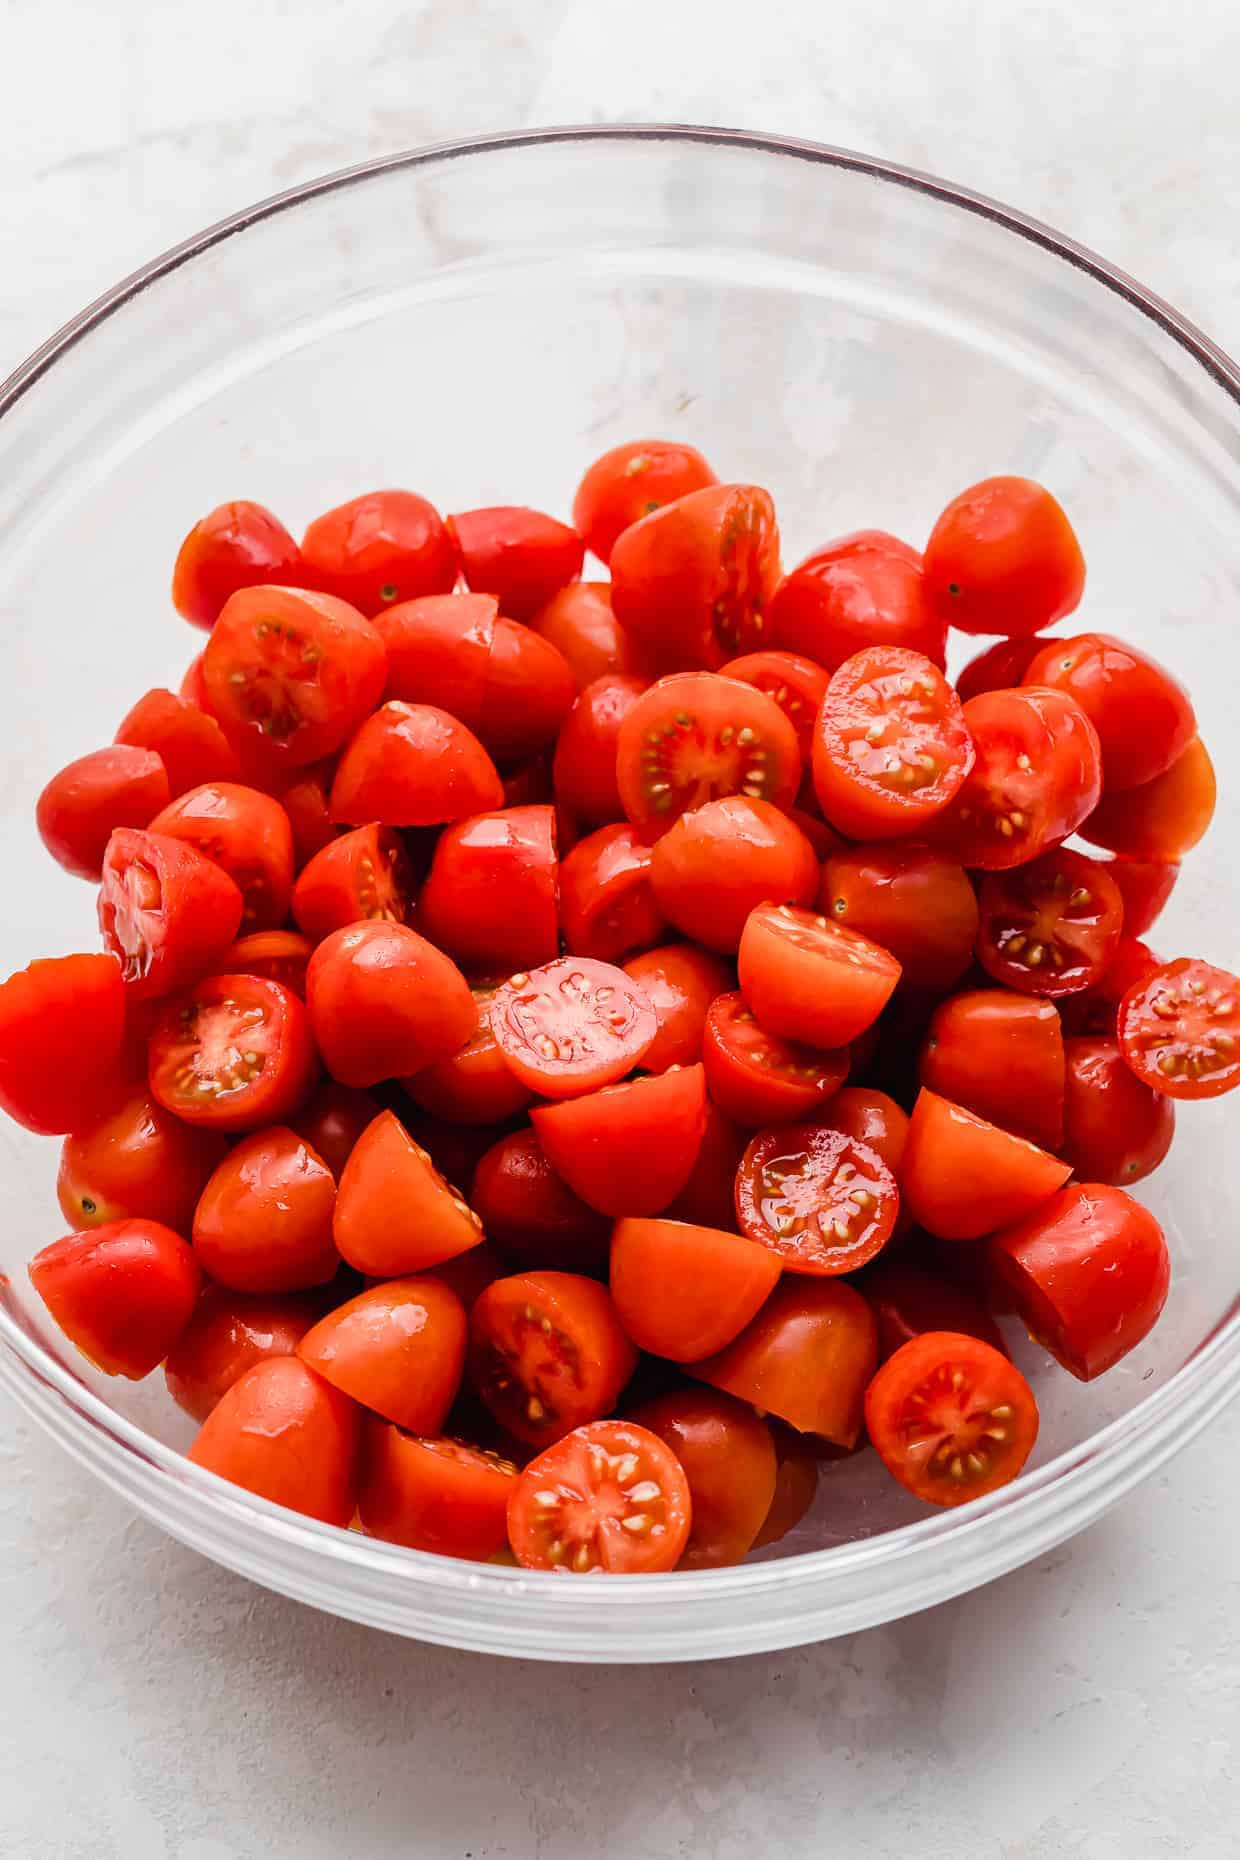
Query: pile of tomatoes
x,y
571,1058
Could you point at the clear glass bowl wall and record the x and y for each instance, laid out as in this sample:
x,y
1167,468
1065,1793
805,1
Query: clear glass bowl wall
x,y
477,323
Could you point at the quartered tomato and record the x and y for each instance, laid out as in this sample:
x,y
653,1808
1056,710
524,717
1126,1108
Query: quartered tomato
x,y
728,1457
122,1293
395,1213
1143,716
951,1418
629,482
714,865
384,1003
62,1037
521,556
964,1177
607,902
247,835
572,1026
864,589
475,1085
1050,927
823,1202
998,668
382,547
1163,818
398,1349
136,1161
891,747
580,624
189,743
755,1077
237,545
547,1353
1036,776
698,736
806,1358
490,898
594,1141
529,692
166,911
438,1494
82,806
694,578
907,1300
530,1214
411,765
585,755
1003,558
288,1436
228,1333
1116,1127
808,979
683,1291
1001,1057
278,955
680,981
363,876
914,902
1179,1030
610,1497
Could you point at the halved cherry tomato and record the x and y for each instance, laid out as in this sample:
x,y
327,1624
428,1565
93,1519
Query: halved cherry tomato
x,y
607,903
755,1077
695,577
964,1177
264,1220
629,482
233,1054
697,736
247,835
532,1215
1088,1273
1097,1010
411,765
122,1293
384,1003
333,1120
796,1486
1163,818
228,1333
1145,885
891,747
62,1035
491,894
585,755
189,743
278,955
521,556
706,1200
398,1348
1117,1128
364,876
237,545
914,902
864,589
1001,666
1003,558
305,803
823,1202
683,1291
529,692
572,1026
395,1213
951,1418
1051,927
716,864
907,1301
290,675
580,624
1037,774
475,1086
795,684
547,1353
611,1496
136,1162
82,806
592,1141
438,1495
805,1358
872,1118
1179,1029
1001,1057
383,547
1143,717
166,911
806,978
680,982
438,649
728,1457
288,1436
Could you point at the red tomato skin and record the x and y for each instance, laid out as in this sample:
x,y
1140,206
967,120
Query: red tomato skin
x,y
82,806
683,1291
380,548
192,686
1117,1129
1097,1009
228,1333
680,982
806,1358
1143,717
1001,1056
411,765
589,1371
585,755
591,1007
694,578
872,1118
794,683
1162,819
396,1214
591,1141
607,903
913,901
285,1085
529,692
415,1492
475,1085
138,1162
1000,666
385,1003
288,1436
275,955
361,876
1003,558
531,1215
62,1029
754,1092
864,589
628,482
715,864
264,1220
907,1301
519,555
189,743
578,621
398,1349
1145,885
807,979
796,1485
194,907
438,649
728,1458
122,1293
236,545
247,835
1056,793
305,803
964,1177
333,1120
490,898
1089,1273
706,1200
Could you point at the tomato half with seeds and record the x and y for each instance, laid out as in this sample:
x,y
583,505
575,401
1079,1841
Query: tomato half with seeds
x,y
475,1085
136,1162
607,902
717,863
1003,558
1051,927
629,482
411,765
792,682
951,1418
728,1457
592,1141
755,1077
1143,716
579,622
806,1358
891,747
547,1353
264,1220
1145,885
822,1201
362,877
245,833
1036,775
519,555
398,1349
384,1003
611,1497
228,1333
490,898
1001,1057
585,755
234,1054
288,1436
684,1291
964,1177
84,803
694,578
1117,1129
62,1041
1001,666
122,1293
863,589
531,1215
1163,818
572,1026
236,545
1179,1029
437,1494
913,901
806,978
166,911
698,736
395,1213
907,1300
277,955
681,981
382,547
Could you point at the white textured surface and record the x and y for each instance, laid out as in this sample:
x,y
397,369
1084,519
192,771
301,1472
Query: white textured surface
x,y
155,1708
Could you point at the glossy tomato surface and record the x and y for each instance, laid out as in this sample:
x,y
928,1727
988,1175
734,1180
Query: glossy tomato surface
x,y
1003,558
585,751
228,1333
806,1358
572,1025
891,746
684,1291
123,1292
382,547
167,912
756,1078
694,578
189,743
384,1002
1002,1057
822,1201
136,1161
1163,818
236,545
434,1494
721,860
680,980
1036,776
607,903
395,1213
951,1417
1117,1128
1179,1029
915,902
807,978
248,835
413,765
547,1353
629,482
593,1141
62,1031
1143,716
234,1054
697,736
397,1348
580,623
490,898
264,1220
361,877
610,1497
864,589
81,806
1051,927
727,1455
963,1177
519,555
288,1436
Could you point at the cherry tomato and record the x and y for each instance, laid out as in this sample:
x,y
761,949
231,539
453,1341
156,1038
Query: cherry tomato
x,y
607,904
580,624
1097,1009
1036,776
611,1497
192,688
438,648
1002,1058
592,1141
439,1495
823,1202
1088,1273
795,684
808,979
233,1054
907,1301
332,1121
82,806
572,1026
237,545
384,1003
585,756
166,911
383,547
695,577
1050,927
1179,1029
696,737
469,1273
395,1213
411,765
305,803
728,1457
490,897
1117,1129
680,982
963,1177
529,692
998,668
136,1162
122,1293
364,876
228,1333
872,1118
1003,558
683,1291
951,1418
1142,715
398,1349
796,1486
247,835
891,748
190,744
706,1200
62,1033
805,1358
629,482
716,864
277,955
290,675
475,1085
264,1221
532,1215
864,589
288,1436
1145,885
1163,818
521,556
911,900
756,1078
547,1353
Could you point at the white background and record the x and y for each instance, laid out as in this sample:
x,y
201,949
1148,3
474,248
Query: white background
x,y
153,1707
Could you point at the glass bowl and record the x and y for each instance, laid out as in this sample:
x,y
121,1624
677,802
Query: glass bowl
x,y
478,321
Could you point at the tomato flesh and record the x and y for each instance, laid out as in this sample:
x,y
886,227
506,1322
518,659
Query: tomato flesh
x,y
1179,1030
363,876
964,1177
166,911
822,1201
234,1054
1050,927
1036,776
694,578
951,1418
395,1213
434,1494
891,747
571,1026
696,737
547,1354
62,1035
794,683
610,1497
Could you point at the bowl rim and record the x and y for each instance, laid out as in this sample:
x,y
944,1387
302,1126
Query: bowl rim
x,y
1196,1390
